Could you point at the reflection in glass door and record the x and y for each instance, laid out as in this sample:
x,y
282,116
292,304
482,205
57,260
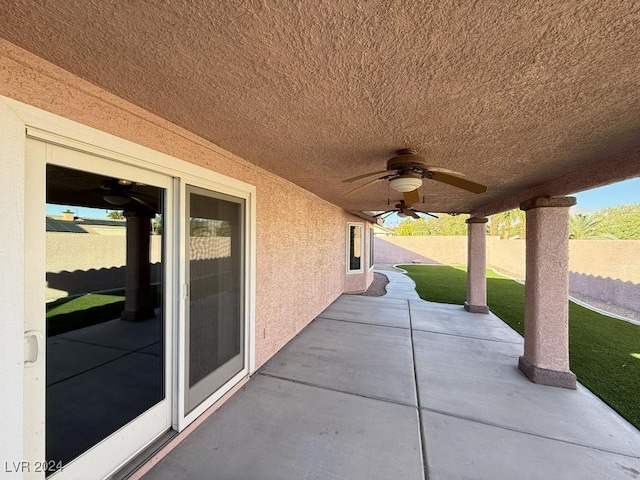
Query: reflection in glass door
x,y
105,356
215,309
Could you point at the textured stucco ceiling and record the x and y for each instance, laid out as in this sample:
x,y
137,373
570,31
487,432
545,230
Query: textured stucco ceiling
x,y
514,94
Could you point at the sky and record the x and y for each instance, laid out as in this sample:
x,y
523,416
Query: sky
x,y
79,211
616,194
620,193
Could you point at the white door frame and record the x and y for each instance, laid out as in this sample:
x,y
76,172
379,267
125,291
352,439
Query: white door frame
x,y
184,416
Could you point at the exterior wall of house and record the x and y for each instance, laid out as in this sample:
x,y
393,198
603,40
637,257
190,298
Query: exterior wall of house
x,y
300,255
300,266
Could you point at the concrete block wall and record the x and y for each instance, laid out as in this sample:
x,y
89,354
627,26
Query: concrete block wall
x,y
606,270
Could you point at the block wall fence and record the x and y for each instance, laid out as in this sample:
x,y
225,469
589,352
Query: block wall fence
x,y
606,270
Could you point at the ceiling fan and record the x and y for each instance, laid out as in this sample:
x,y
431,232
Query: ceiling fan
x,y
119,192
404,210
405,172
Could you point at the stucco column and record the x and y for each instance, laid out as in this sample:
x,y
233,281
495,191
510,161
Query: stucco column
x,y
546,318
138,304
477,266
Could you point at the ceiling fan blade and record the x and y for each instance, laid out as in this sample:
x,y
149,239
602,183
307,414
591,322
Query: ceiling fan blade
x,y
446,170
389,213
456,182
383,213
142,202
411,213
427,213
363,186
411,197
353,179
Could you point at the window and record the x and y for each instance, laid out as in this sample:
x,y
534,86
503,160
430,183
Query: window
x,y
355,247
371,240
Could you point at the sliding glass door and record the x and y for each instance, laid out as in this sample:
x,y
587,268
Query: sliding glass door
x,y
215,316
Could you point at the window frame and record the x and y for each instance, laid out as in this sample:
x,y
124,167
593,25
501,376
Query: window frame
x,y
349,245
371,249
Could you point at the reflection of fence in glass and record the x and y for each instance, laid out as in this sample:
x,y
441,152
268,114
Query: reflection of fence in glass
x,y
78,264
202,248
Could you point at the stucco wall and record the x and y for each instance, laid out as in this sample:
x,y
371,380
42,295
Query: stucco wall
x,y
449,250
507,256
605,270
300,252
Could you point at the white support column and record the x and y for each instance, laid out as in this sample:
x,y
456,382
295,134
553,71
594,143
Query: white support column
x,y
477,266
546,319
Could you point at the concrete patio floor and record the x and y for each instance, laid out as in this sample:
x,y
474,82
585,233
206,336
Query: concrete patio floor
x,y
395,387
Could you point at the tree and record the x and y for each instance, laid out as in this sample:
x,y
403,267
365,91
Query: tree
x,y
584,227
115,214
509,224
621,221
445,225
199,227
156,225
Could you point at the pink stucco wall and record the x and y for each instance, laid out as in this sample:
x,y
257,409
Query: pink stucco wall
x,y
301,260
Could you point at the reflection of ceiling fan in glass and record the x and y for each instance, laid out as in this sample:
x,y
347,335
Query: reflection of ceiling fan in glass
x,y
403,210
119,192
405,172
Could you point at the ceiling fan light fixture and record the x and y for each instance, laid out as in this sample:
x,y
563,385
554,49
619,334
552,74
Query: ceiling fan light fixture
x,y
406,183
402,214
116,199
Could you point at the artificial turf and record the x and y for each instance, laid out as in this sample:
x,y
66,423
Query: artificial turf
x,y
604,352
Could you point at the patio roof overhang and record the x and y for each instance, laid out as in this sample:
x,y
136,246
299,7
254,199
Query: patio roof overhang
x,y
528,98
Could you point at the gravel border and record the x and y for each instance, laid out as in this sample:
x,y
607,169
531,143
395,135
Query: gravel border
x,y
377,287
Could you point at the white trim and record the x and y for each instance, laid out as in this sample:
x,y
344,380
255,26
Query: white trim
x,y
362,248
184,418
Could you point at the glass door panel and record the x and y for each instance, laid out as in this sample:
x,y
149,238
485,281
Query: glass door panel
x,y
215,275
98,378
104,323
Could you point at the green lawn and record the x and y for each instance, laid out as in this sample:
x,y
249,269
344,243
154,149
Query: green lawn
x,y
604,352
71,313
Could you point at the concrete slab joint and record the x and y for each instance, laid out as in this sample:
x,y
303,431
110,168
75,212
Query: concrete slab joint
x,y
476,301
546,318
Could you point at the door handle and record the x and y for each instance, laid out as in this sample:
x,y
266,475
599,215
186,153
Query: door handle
x,y
33,348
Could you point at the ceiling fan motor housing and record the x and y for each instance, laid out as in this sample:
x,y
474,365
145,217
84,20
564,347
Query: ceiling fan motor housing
x,y
406,161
